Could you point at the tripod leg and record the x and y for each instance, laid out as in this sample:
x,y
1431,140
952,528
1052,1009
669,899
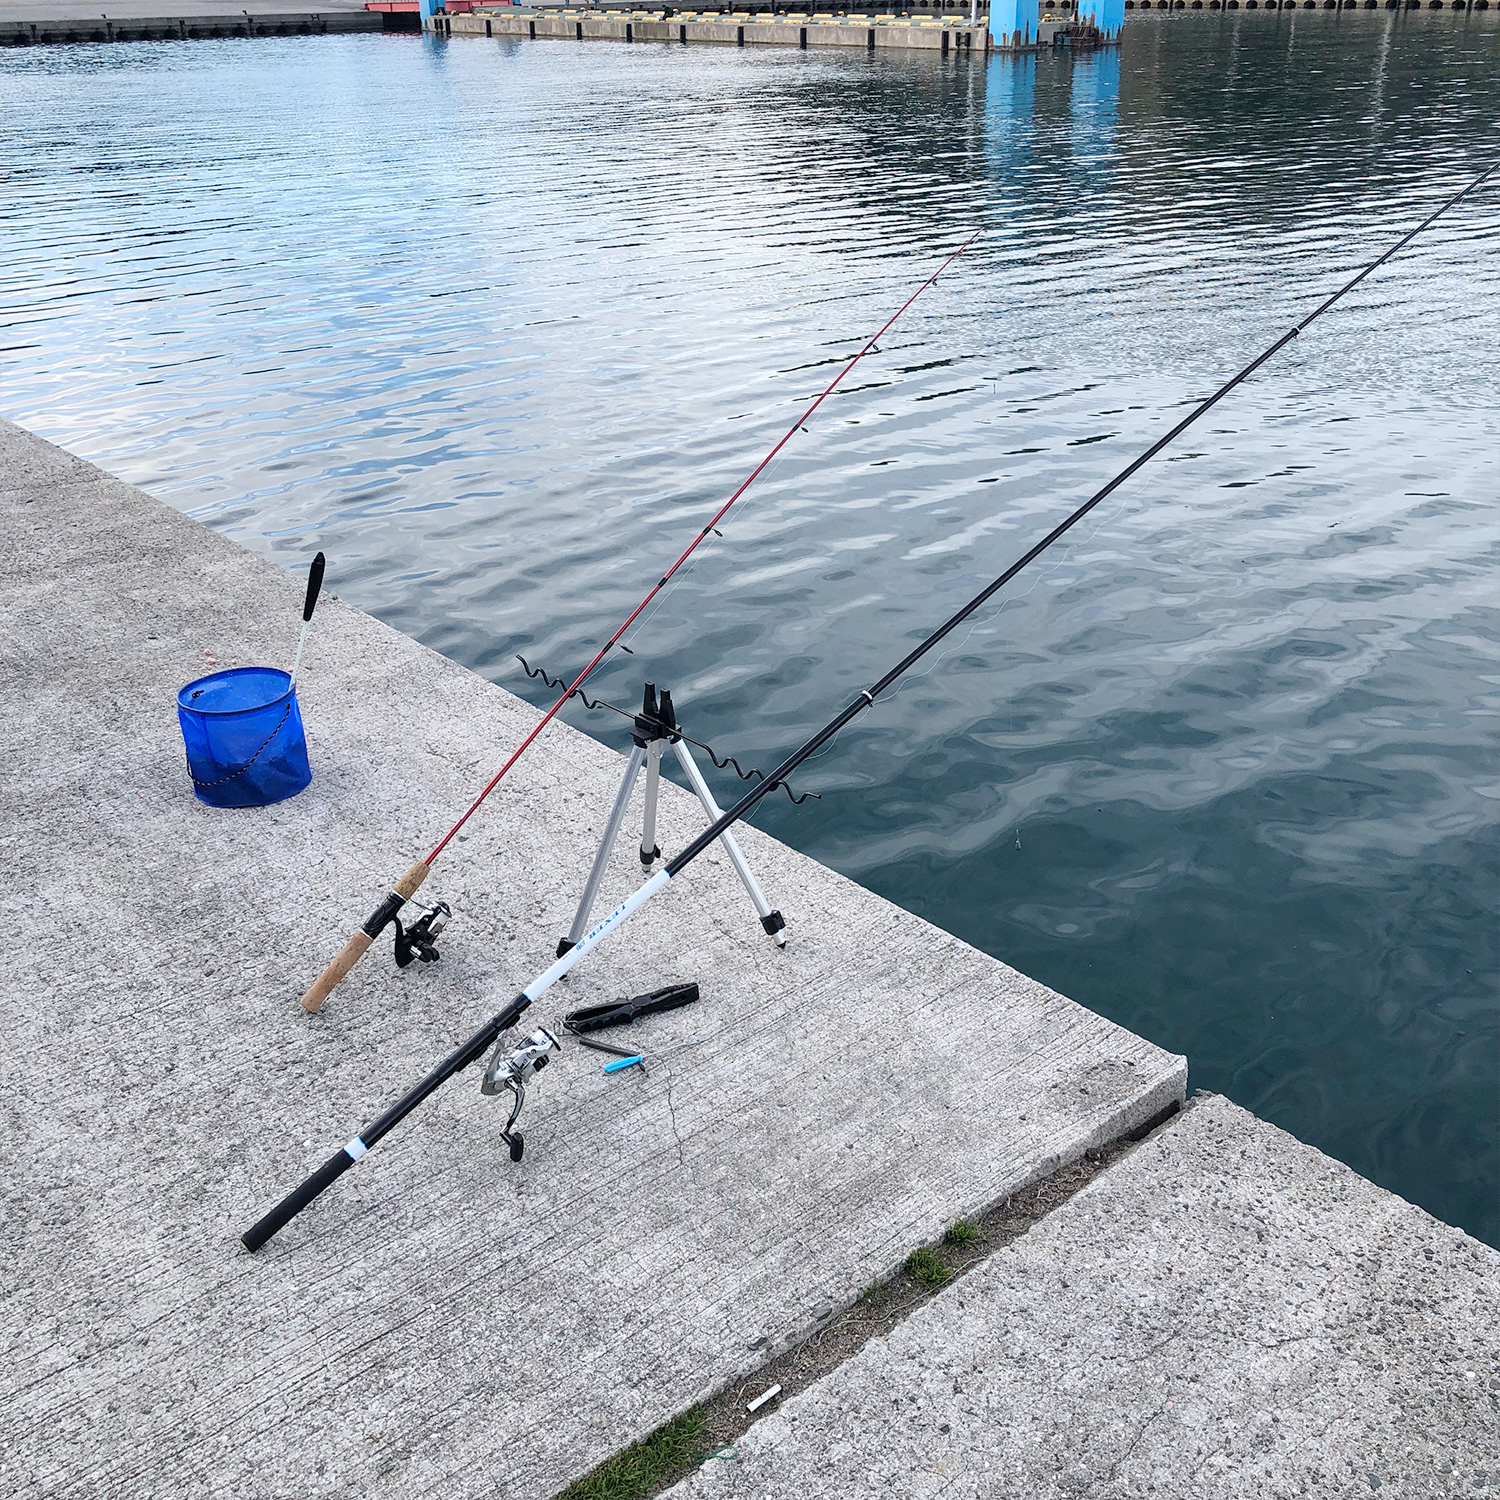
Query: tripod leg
x,y
650,853
771,919
606,844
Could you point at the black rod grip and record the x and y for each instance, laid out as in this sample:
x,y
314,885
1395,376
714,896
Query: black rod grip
x,y
295,1201
314,585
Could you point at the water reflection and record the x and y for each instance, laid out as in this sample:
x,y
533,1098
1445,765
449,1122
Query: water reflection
x,y
1096,112
1009,105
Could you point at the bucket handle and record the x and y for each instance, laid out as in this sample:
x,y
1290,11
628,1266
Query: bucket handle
x,y
242,769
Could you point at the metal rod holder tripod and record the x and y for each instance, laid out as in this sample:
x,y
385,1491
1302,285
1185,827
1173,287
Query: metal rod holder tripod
x,y
656,726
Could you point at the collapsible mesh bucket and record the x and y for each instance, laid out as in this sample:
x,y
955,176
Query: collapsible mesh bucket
x,y
243,732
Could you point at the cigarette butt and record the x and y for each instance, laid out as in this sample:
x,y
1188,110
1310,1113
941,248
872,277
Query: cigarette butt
x,y
764,1396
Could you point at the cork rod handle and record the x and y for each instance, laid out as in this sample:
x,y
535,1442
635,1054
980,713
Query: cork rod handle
x,y
323,986
354,950
411,882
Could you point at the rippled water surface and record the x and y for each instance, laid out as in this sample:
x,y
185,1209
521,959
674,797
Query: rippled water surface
x,y
496,325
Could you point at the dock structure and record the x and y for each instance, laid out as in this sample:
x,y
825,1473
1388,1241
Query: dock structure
x,y
943,34
946,26
36,22
446,1321
443,1320
1003,25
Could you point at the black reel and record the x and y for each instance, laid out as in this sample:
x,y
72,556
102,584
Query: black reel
x,y
416,941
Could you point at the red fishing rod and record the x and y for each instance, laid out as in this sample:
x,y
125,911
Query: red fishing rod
x,y
405,888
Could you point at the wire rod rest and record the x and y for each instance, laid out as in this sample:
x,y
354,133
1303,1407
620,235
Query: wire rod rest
x,y
722,763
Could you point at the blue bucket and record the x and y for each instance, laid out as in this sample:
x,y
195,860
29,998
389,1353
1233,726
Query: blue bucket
x,y
243,732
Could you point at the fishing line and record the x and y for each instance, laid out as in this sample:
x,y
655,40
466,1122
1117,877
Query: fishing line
x,y
408,885
768,473
508,1068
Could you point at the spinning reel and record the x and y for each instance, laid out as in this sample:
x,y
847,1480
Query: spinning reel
x,y
510,1070
415,942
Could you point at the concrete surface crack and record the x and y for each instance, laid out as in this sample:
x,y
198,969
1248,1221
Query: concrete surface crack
x,y
1145,1427
672,1116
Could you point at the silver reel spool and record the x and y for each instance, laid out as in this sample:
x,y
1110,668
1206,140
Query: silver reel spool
x,y
510,1071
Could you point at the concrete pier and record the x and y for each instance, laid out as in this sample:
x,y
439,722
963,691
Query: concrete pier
x,y
443,1320
35,22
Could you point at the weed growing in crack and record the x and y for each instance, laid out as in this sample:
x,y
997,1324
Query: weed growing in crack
x,y
642,1467
926,1266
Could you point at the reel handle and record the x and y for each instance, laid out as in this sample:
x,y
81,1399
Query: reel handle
x,y
298,1199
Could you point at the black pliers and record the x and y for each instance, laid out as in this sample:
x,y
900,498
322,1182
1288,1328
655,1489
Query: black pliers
x,y
622,1012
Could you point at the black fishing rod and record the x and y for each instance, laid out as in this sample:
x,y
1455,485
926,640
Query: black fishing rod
x,y
511,1070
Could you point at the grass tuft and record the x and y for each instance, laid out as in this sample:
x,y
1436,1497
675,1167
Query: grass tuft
x,y
961,1235
926,1266
645,1465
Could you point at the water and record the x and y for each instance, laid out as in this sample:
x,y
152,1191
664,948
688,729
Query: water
x,y
497,325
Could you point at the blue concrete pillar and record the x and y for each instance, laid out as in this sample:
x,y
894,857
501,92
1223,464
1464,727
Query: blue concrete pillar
x,y
1013,22
429,8
1107,15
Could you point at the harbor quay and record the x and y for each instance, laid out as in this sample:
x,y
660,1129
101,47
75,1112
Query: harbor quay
x,y
1223,1314
945,26
1005,25
948,25
1217,1310
942,34
25,23
444,1317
